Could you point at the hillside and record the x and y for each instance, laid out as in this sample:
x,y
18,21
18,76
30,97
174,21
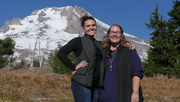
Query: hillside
x,y
41,85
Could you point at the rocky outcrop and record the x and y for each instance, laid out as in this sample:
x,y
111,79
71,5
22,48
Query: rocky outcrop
x,y
35,12
73,26
5,28
41,17
73,17
80,11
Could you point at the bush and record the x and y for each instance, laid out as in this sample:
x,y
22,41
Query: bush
x,y
35,64
58,66
22,62
6,48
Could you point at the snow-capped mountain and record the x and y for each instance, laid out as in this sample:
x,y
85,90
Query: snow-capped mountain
x,y
57,25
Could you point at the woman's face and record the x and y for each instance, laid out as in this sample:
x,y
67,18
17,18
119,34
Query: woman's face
x,y
90,27
115,35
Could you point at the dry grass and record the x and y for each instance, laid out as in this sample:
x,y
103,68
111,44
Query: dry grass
x,y
41,85
37,85
161,89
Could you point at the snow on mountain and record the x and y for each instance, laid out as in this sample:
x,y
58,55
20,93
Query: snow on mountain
x,y
141,42
57,25
102,23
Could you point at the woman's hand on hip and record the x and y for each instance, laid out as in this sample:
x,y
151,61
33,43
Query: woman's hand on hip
x,y
82,64
73,72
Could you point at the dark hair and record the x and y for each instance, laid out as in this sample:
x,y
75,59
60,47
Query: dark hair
x,y
85,18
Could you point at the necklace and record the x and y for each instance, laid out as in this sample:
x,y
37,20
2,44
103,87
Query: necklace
x,y
111,60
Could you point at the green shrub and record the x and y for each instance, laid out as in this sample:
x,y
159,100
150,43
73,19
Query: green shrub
x,y
22,62
58,66
35,64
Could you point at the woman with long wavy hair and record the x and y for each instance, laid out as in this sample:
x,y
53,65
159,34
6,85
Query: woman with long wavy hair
x,y
123,69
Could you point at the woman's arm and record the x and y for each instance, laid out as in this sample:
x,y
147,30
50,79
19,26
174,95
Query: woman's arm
x,y
137,75
136,85
73,45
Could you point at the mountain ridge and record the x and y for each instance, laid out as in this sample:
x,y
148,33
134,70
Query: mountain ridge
x,y
59,25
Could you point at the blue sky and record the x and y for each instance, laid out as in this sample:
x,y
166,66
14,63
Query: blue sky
x,y
130,14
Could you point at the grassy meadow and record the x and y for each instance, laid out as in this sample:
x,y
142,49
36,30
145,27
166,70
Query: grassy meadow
x,y
41,85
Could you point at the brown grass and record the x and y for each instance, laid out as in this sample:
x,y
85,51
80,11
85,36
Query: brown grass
x,y
41,85
161,89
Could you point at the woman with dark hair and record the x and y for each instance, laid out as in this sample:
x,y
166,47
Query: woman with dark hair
x,y
123,69
89,53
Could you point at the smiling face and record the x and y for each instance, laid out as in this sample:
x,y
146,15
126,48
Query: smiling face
x,y
115,35
90,27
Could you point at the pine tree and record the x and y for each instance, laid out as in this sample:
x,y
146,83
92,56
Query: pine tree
x,y
164,54
6,48
174,31
156,61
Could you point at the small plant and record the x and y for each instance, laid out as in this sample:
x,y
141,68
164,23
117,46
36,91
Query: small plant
x,y
35,64
22,62
58,66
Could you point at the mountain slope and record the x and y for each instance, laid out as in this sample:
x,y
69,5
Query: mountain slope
x,y
57,25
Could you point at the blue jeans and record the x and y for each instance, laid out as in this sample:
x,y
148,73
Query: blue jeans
x,y
84,94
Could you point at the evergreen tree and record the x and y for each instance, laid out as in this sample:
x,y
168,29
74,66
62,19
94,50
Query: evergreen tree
x,y
58,66
174,31
6,48
164,54
156,61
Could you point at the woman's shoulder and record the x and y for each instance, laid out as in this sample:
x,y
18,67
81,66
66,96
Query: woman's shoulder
x,y
133,51
76,40
134,55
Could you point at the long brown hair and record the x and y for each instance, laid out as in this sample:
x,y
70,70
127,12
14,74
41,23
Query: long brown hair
x,y
106,41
